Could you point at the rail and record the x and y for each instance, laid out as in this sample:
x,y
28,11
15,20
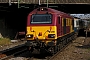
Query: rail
x,y
9,53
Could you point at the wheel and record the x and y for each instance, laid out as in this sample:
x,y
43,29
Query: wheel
x,y
51,50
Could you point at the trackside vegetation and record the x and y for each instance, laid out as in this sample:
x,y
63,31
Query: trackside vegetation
x,y
4,41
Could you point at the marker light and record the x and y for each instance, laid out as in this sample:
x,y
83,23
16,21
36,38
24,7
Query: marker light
x,y
42,9
46,37
30,28
34,37
50,28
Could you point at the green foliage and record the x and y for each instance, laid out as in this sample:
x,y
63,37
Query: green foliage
x,y
4,41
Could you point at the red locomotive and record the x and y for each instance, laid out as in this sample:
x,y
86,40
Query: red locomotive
x,y
49,29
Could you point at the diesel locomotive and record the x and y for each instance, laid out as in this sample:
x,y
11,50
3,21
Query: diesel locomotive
x,y
49,29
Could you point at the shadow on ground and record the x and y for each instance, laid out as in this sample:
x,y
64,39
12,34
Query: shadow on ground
x,y
84,47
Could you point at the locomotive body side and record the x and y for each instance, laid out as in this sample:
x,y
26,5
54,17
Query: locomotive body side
x,y
46,27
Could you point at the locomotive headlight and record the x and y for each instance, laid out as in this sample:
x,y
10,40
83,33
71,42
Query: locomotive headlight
x,y
29,36
77,28
51,35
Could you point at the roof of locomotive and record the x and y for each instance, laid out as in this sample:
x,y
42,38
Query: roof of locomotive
x,y
52,11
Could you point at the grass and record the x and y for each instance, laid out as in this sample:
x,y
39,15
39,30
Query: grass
x,y
4,41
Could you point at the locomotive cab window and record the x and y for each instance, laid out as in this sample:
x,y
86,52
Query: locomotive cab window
x,y
41,18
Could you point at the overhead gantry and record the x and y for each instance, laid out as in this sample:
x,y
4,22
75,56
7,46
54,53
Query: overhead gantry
x,y
45,1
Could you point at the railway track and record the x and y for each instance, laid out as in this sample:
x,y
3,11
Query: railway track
x,y
13,55
49,57
59,52
17,51
12,52
7,57
34,57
